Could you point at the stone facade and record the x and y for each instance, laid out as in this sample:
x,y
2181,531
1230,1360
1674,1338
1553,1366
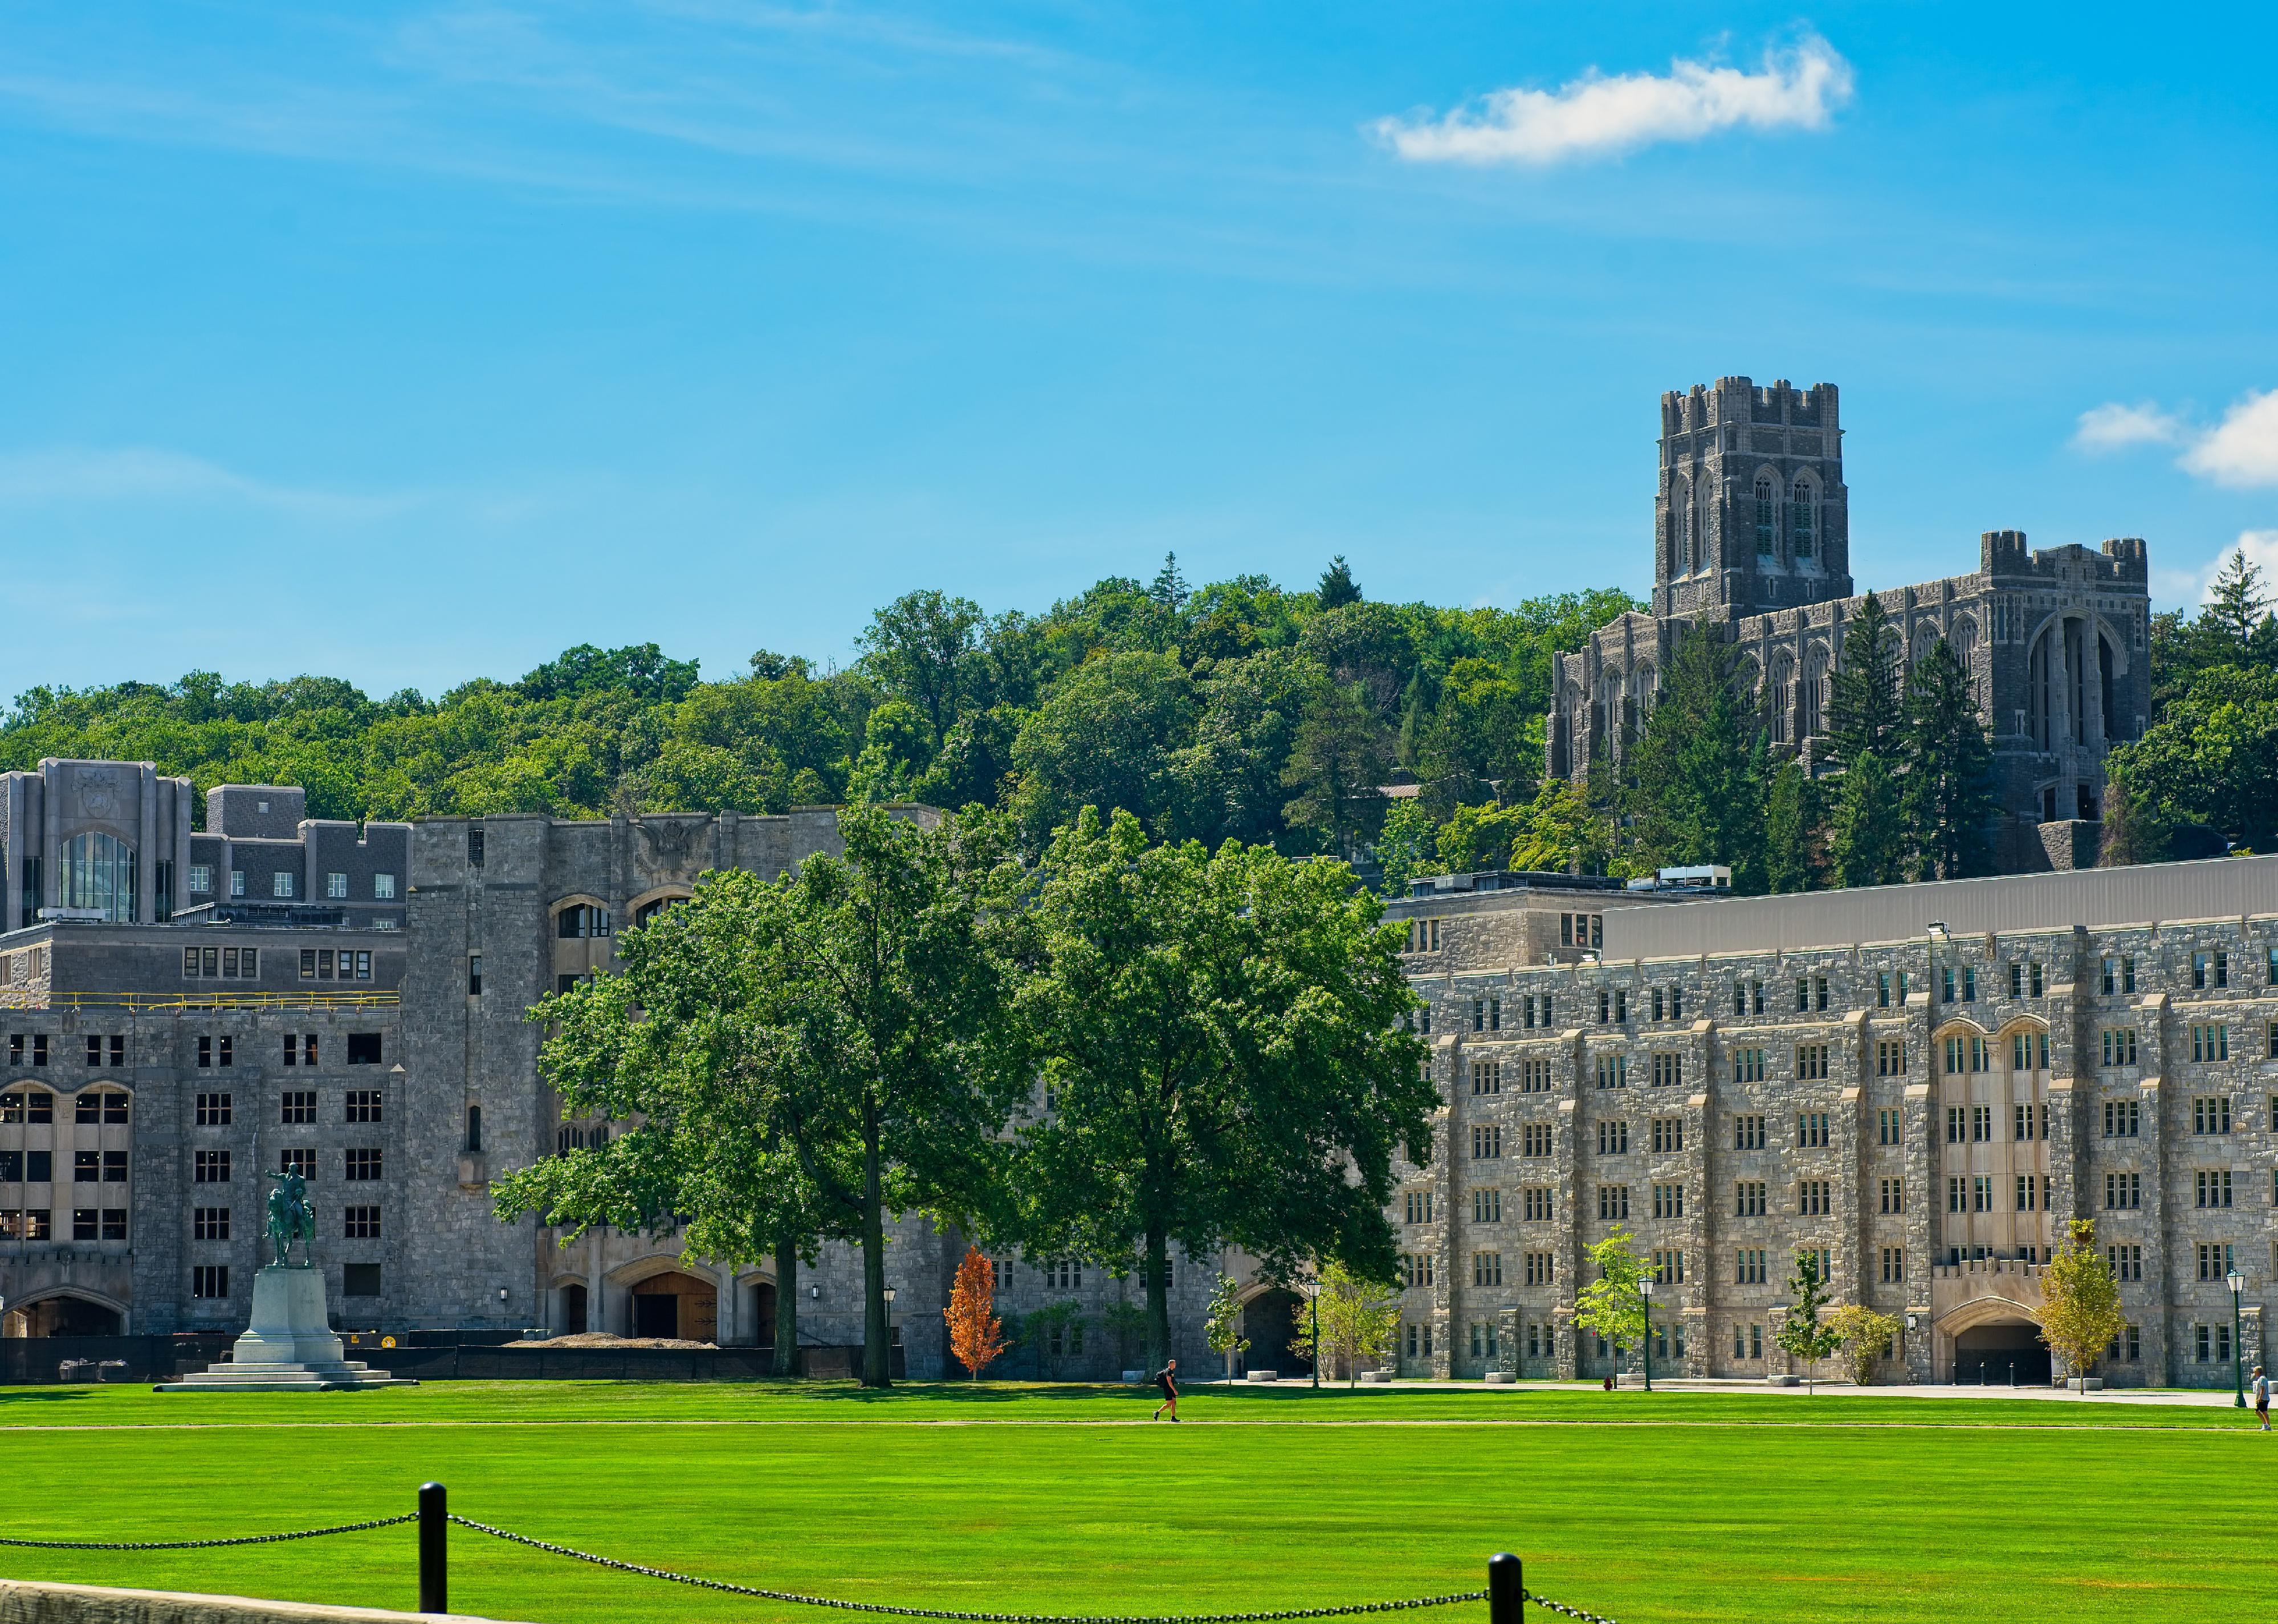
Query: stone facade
x,y
1753,537
1733,1081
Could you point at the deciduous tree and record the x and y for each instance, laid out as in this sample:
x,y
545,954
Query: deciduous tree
x,y
976,1336
2080,1300
1613,1305
1359,1319
1802,1334
1864,1336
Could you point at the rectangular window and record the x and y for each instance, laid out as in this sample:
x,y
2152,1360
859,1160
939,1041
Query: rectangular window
x,y
1886,1126
1613,1202
201,879
1894,1266
1539,1268
1812,1201
1613,1139
1613,1071
237,882
1980,1191
209,1224
1748,1132
2214,1262
2122,1191
299,1107
363,1047
209,1167
1536,1207
364,1165
1890,1056
362,1105
1487,1141
336,886
1748,1268
213,1111
1981,1125
1881,989
1669,1201
1487,1077
1811,1130
1420,1206
1668,1135
280,883
2120,1046
2210,1042
2215,1187
383,887
2122,1119
2126,1263
2029,1192
2211,1114
1668,1070
1534,1138
1894,1195
209,1281
1749,1198
1667,1268
300,1159
1535,1077
1747,1065
1486,1206
1486,1268
475,985
1811,1063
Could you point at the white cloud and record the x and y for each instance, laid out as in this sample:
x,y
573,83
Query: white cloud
x,y
142,473
2243,448
2188,589
1598,116
2112,426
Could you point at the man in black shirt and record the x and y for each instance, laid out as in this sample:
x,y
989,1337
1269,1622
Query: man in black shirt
x,y
1167,1379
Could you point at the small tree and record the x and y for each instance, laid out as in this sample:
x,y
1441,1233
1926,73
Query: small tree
x,y
976,1336
1803,1334
1865,1336
1358,1320
1612,1304
2080,1300
1222,1326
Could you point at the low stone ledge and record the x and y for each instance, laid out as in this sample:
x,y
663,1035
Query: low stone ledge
x,y
22,1602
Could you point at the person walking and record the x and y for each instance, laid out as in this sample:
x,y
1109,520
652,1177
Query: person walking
x,y
2262,1398
1167,1380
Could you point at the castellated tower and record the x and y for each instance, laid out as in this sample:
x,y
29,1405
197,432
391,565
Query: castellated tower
x,y
1750,511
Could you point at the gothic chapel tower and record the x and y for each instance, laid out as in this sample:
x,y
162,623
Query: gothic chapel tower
x,y
1751,513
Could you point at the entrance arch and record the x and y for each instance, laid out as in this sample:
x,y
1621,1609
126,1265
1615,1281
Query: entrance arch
x,y
670,1303
1269,1320
571,1321
65,1314
1999,1353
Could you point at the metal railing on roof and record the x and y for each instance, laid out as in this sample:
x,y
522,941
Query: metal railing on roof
x,y
33,998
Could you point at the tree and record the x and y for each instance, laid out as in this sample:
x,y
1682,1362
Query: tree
x,y
1613,1305
2080,1300
976,1336
1104,738
1339,756
923,647
1405,846
1866,838
1221,1038
1863,703
1698,790
1945,770
1802,1334
1337,589
1791,819
727,1131
1222,1322
1864,1336
1359,1319
889,985
2235,608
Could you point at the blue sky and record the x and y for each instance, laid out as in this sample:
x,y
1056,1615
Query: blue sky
x,y
413,343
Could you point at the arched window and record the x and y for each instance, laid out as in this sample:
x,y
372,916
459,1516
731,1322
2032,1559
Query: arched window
x,y
1691,533
1767,519
580,921
1782,698
99,874
1798,517
1815,691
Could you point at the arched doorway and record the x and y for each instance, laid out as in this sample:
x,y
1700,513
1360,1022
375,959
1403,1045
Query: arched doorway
x,y
2001,1353
1269,1320
65,1316
763,1314
673,1304
572,1318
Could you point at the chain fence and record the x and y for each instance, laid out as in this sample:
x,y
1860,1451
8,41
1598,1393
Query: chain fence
x,y
428,1530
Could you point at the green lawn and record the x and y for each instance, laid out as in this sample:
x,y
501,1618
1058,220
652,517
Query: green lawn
x,y
1660,1507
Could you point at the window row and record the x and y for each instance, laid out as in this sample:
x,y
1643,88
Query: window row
x,y
358,1166
39,1166
86,1224
92,1107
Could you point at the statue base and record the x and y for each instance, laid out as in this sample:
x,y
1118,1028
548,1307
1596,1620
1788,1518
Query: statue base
x,y
289,1346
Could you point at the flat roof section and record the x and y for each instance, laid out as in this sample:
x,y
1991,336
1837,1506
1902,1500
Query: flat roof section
x,y
2150,893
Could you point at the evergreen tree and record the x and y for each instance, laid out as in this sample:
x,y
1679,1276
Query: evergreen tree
x,y
1698,793
1947,770
1337,588
2235,606
1170,587
1792,819
1864,709
1866,834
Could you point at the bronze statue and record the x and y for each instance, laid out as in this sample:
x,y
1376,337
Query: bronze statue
x,y
291,1218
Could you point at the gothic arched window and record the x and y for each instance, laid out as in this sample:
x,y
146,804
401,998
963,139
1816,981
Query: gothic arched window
x,y
1798,517
1767,519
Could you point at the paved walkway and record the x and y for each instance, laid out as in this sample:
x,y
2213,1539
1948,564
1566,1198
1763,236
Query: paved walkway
x,y
2221,1397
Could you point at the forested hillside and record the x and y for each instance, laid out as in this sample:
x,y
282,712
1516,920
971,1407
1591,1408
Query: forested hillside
x,y
1241,709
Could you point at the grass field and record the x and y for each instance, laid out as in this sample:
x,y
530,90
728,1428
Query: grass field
x,y
1645,1507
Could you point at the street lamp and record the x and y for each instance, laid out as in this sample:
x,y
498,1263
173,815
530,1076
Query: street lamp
x,y
2237,1282
1645,1294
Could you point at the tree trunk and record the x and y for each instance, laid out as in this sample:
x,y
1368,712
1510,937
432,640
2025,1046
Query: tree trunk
x,y
786,1308
878,1355
1159,1299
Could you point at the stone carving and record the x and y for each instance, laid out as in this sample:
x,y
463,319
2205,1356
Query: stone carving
x,y
669,843
98,795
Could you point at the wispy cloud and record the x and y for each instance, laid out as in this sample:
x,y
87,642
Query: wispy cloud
x,y
1597,116
141,474
2190,587
2240,451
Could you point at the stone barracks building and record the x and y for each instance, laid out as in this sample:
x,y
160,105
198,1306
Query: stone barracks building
x,y
1752,524
1921,1084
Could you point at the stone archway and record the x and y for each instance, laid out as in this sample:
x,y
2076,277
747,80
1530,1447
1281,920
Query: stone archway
x,y
2002,1353
1990,1336
671,1303
67,1314
1269,1320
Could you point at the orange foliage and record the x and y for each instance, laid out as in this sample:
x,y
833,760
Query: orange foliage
x,y
975,1333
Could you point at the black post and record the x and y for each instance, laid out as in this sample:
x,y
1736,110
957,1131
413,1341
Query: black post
x,y
434,1549
1506,1596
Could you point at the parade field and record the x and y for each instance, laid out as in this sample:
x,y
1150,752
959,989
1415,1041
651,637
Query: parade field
x,y
1642,1507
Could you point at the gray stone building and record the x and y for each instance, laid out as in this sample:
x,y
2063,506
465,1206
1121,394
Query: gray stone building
x,y
1753,537
1922,1084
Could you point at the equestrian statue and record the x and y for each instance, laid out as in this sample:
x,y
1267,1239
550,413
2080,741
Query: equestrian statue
x,y
291,1218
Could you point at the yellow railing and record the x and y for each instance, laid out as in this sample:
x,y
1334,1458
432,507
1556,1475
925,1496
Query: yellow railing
x,y
33,998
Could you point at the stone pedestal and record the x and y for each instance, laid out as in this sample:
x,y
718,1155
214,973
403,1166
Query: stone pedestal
x,y
289,1346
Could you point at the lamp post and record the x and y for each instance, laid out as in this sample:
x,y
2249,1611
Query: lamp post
x,y
2237,1282
1314,1297
1645,1295
887,1293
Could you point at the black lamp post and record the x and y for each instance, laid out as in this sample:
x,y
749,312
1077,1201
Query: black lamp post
x,y
1645,1296
2237,1282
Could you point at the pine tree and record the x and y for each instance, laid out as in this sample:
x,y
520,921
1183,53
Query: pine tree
x,y
1170,587
1698,793
1867,840
1947,770
2236,605
1792,819
1337,588
1864,708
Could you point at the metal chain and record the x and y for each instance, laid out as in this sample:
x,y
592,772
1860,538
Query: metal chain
x,y
970,1617
1548,1606
201,1544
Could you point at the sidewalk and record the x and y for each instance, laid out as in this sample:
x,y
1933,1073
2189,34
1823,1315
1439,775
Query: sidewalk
x,y
2202,1397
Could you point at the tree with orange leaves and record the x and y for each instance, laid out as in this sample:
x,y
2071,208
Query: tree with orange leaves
x,y
976,1336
